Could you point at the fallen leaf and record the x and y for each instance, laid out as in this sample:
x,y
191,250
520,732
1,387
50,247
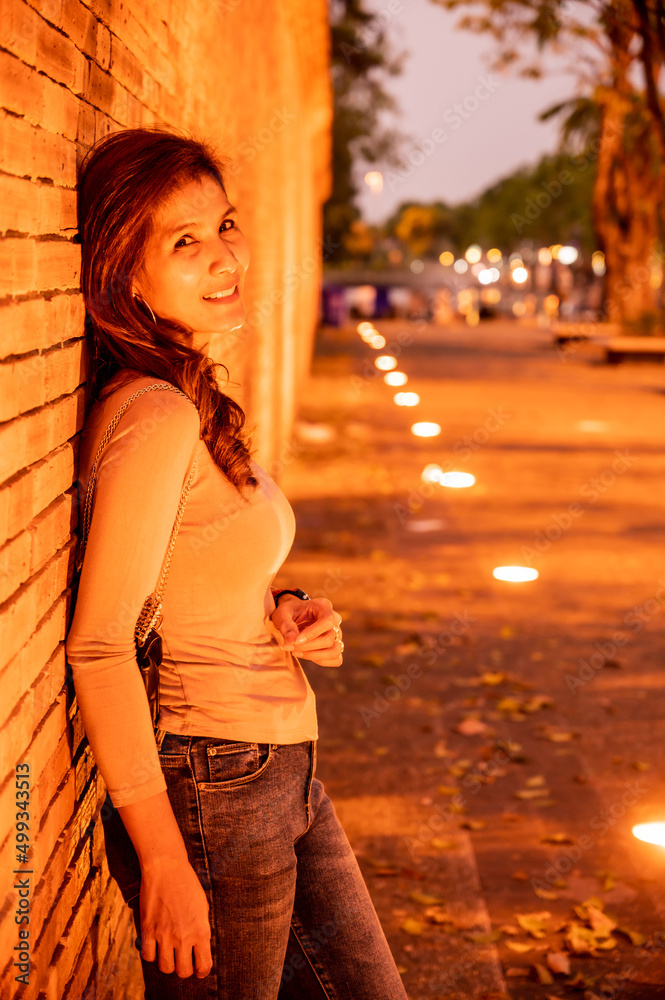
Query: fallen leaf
x,y
412,926
443,845
471,727
506,631
534,923
558,962
487,937
546,893
601,924
520,876
509,929
374,659
584,941
641,765
545,977
438,916
424,898
493,677
380,751
447,790
521,947
532,793
537,781
557,838
559,736
473,824
516,971
635,937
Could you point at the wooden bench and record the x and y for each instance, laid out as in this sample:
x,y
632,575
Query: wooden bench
x,y
618,349
568,333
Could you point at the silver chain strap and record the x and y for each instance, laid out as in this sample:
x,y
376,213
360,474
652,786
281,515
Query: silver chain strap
x,y
151,610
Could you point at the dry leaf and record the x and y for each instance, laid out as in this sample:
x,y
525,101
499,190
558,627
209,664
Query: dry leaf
x,y
487,937
534,923
519,946
558,962
412,926
533,793
641,765
492,678
442,845
447,790
425,899
545,977
546,893
601,924
635,937
438,916
537,781
557,838
516,971
473,824
471,727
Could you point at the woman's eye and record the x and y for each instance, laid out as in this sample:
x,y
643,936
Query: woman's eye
x,y
181,242
232,221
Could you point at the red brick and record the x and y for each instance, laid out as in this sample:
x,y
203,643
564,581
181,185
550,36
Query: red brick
x,y
29,662
40,378
32,490
40,323
37,209
33,152
31,437
28,551
31,602
59,58
38,265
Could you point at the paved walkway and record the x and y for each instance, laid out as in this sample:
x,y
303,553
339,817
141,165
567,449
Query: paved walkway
x,y
489,745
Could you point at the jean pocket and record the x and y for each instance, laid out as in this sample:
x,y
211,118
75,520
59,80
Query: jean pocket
x,y
228,765
121,855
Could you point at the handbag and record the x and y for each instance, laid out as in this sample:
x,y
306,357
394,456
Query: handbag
x,y
147,637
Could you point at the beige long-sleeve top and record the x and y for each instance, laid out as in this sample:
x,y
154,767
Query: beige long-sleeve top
x,y
223,670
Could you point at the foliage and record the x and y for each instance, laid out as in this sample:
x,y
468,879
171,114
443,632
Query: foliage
x,y
360,59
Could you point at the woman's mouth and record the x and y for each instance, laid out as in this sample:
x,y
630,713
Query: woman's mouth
x,y
227,295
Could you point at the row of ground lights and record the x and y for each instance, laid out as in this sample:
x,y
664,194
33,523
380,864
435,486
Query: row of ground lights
x,y
651,833
425,428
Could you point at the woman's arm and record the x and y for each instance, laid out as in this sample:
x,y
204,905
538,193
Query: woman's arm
x,y
139,484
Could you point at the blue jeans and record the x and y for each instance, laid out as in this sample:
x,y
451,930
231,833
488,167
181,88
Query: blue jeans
x,y
290,915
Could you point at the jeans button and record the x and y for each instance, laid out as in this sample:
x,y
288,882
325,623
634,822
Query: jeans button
x,y
212,751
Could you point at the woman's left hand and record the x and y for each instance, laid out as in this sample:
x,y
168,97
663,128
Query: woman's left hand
x,y
310,629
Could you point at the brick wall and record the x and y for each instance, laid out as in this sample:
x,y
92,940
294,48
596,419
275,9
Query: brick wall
x,y
253,76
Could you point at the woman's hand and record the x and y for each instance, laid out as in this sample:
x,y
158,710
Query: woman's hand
x,y
310,629
174,919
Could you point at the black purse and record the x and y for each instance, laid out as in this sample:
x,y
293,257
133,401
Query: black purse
x,y
147,637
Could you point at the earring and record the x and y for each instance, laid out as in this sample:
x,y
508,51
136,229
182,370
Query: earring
x,y
144,303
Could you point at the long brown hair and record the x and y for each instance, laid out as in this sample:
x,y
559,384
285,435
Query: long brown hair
x,y
121,182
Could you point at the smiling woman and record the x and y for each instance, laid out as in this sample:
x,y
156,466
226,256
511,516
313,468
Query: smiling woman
x,y
217,832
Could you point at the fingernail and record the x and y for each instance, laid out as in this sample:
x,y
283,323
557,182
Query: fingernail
x,y
301,638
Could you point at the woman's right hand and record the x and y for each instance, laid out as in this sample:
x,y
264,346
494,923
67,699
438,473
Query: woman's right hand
x,y
174,918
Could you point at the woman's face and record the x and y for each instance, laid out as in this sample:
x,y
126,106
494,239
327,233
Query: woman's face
x,y
195,261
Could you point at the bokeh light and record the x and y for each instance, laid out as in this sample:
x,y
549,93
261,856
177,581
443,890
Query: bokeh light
x,y
425,429
385,362
396,378
377,342
515,574
473,253
461,266
406,398
650,833
545,256
520,274
374,181
568,255
494,255
446,258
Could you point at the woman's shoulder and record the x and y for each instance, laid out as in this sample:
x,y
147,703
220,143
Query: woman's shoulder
x,y
145,396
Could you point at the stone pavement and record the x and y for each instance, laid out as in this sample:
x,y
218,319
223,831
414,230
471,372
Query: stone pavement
x,y
489,745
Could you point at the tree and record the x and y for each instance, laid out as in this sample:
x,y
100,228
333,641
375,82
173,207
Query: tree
x,y
618,49
360,59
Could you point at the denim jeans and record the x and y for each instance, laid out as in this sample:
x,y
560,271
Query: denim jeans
x,y
290,915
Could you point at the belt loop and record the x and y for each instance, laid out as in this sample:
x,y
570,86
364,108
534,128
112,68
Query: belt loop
x,y
159,737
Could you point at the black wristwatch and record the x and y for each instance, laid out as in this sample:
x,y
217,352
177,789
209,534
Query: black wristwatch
x,y
296,593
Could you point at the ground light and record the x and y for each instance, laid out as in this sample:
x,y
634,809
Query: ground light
x,y
650,833
395,378
425,429
377,342
457,480
515,574
385,362
406,398
364,328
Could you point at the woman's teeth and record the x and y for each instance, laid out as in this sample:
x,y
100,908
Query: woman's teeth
x,y
221,295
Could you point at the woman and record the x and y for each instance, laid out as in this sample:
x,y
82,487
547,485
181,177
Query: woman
x,y
221,839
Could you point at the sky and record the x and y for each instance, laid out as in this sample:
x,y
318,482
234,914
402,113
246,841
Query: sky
x,y
496,130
